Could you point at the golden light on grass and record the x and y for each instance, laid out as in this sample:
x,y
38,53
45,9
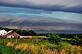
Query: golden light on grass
x,y
48,51
22,47
77,49
37,49
10,44
34,49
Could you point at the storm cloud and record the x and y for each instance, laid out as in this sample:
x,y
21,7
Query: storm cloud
x,y
52,5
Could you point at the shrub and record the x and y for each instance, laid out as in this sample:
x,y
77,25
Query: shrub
x,y
53,38
75,40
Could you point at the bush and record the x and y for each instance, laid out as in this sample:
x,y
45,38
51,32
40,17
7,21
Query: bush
x,y
75,40
53,38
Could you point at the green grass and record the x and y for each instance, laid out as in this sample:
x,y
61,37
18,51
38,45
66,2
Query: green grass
x,y
43,44
30,41
7,50
35,37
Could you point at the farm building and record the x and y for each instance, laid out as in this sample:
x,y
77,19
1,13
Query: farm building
x,y
3,33
25,37
11,34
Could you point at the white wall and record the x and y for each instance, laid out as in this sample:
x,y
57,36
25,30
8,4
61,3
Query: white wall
x,y
3,32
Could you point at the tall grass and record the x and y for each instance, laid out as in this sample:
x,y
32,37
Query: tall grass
x,y
37,46
30,49
39,49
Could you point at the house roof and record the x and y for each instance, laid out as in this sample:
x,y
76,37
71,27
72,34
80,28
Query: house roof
x,y
13,33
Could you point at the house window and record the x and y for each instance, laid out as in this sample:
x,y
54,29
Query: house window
x,y
1,34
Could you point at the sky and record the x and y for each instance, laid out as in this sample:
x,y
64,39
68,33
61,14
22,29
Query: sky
x,y
51,5
63,11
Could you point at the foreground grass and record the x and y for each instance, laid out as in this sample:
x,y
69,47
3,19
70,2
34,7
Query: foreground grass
x,y
37,49
7,50
37,46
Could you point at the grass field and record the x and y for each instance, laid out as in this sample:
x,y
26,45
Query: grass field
x,y
36,46
7,50
37,37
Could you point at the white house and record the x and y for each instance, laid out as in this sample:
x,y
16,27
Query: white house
x,y
3,32
11,34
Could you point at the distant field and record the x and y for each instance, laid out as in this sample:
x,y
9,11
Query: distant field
x,y
38,37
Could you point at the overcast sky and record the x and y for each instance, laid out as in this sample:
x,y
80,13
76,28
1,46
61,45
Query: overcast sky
x,y
13,12
47,11
51,5
67,10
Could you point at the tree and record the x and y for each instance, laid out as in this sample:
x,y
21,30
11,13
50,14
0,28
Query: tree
x,y
75,40
80,39
53,38
31,32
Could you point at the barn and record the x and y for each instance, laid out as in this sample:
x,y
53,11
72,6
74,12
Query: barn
x,y
12,34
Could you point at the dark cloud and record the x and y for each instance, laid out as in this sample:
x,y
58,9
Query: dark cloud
x,y
54,5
